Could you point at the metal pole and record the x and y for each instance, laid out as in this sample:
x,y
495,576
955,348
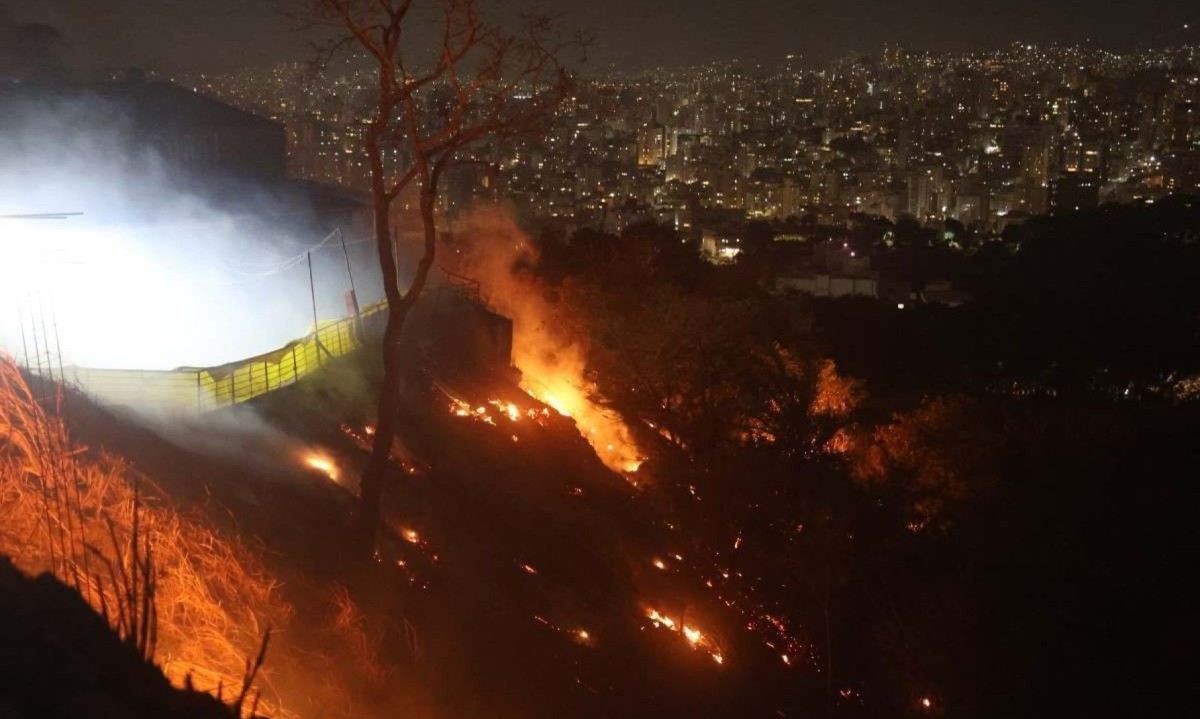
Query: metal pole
x,y
354,292
312,289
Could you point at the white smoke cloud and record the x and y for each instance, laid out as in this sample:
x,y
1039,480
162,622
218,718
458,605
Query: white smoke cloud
x,y
152,274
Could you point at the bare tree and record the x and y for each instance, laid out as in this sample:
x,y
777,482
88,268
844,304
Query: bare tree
x,y
490,82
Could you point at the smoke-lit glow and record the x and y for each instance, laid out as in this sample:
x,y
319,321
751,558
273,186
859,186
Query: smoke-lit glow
x,y
151,273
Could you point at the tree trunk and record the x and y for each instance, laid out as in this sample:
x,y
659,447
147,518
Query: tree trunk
x,y
388,406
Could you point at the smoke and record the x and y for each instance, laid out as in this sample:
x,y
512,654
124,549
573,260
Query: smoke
x,y
158,269
552,358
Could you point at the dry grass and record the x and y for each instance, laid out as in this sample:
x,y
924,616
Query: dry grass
x,y
197,603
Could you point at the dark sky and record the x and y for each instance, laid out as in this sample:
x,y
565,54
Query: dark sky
x,y
221,34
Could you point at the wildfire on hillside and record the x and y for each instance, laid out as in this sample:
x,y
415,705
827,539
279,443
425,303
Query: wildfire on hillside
x,y
552,365
560,385
696,638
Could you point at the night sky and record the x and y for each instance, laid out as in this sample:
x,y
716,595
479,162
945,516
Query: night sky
x,y
215,35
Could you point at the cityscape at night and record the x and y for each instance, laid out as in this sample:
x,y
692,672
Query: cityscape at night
x,y
466,359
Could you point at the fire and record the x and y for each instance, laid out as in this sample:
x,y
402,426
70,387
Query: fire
x,y
695,638
559,383
508,409
658,619
552,364
323,464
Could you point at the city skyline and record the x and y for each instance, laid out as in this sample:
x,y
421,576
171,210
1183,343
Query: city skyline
x,y
626,36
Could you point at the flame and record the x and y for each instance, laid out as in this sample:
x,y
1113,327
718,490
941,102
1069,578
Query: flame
x,y
458,408
508,409
559,383
552,364
695,638
323,464
657,618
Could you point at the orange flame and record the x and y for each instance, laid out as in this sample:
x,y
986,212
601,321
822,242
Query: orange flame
x,y
323,464
559,383
552,364
695,638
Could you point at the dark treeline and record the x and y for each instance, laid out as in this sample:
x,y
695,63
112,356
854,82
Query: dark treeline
x,y
1091,303
961,505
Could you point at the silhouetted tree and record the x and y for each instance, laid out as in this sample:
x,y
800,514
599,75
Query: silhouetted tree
x,y
477,80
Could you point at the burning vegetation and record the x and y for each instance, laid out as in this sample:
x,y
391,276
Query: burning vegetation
x,y
551,359
195,599
77,515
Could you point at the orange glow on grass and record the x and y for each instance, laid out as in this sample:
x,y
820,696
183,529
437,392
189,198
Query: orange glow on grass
x,y
323,464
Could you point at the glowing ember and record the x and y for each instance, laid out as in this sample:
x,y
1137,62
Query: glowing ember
x,y
694,637
926,702
528,569
658,619
459,408
323,464
369,430
411,536
660,564
508,409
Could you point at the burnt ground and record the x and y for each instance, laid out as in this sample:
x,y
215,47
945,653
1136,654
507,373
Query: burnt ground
x,y
519,545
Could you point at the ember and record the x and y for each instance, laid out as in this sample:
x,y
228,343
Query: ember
x,y
323,464
694,637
